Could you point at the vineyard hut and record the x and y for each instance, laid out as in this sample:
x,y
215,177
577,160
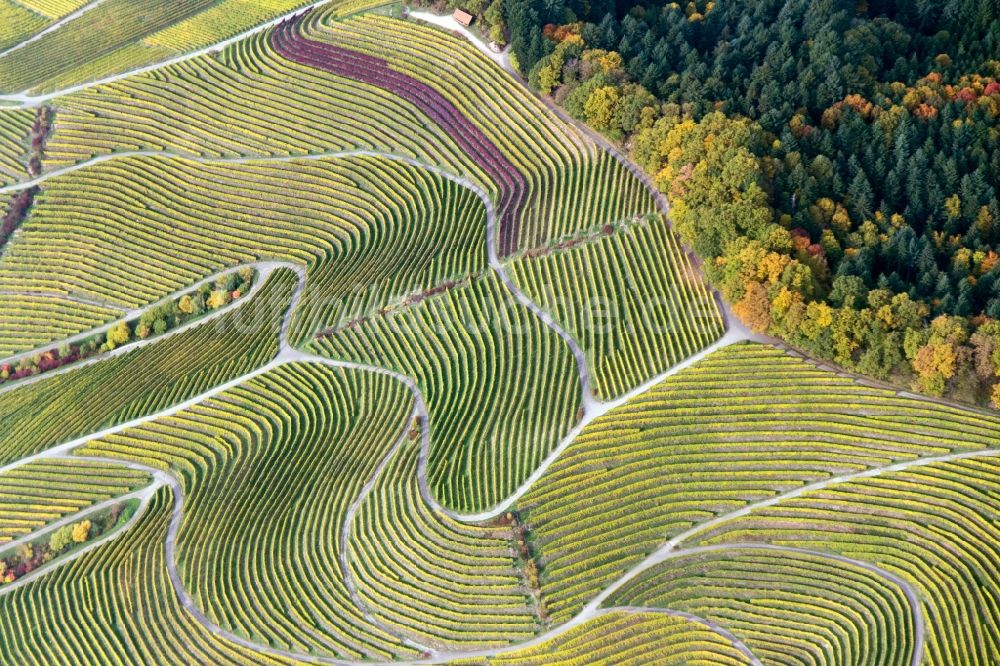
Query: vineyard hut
x,y
463,18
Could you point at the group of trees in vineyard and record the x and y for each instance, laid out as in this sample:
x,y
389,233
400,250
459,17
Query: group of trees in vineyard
x,y
834,163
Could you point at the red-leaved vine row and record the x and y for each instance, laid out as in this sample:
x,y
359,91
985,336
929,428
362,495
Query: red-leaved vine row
x,y
290,43
21,201
16,212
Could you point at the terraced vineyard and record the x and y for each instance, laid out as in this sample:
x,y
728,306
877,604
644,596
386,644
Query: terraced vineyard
x,y
40,493
246,101
15,126
634,314
628,638
337,217
32,319
62,407
495,412
479,407
537,155
142,619
934,527
431,577
782,605
115,36
235,459
704,443
17,23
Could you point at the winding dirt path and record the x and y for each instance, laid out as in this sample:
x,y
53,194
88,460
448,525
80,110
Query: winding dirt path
x,y
288,354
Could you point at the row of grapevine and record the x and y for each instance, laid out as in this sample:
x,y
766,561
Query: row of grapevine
x,y
290,43
742,425
54,9
501,387
39,493
123,35
787,607
128,231
934,526
84,399
625,639
218,21
630,299
269,470
248,101
15,128
443,583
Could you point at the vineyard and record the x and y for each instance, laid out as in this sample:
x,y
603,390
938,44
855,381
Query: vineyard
x,y
650,315
116,36
334,216
38,494
627,638
701,444
15,126
782,607
309,354
495,413
65,406
934,528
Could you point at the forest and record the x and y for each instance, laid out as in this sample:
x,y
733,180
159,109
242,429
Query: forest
x,y
834,164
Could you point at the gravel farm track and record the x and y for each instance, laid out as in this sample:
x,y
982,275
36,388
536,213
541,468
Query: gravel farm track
x,y
500,232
